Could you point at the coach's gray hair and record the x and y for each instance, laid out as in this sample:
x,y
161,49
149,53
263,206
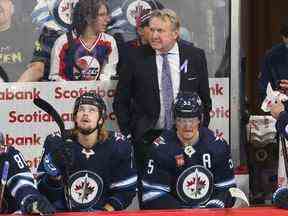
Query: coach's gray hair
x,y
167,14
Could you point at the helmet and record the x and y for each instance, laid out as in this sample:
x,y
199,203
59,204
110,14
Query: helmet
x,y
188,105
92,99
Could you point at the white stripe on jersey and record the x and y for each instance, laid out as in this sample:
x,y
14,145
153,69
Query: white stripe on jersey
x,y
226,183
157,187
21,183
124,183
21,179
152,195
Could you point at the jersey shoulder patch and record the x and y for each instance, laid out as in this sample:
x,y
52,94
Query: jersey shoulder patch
x,y
159,141
119,137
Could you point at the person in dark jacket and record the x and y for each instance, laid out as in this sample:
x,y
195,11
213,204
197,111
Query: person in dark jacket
x,y
275,65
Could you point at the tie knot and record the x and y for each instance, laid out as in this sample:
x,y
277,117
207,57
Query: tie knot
x,y
164,55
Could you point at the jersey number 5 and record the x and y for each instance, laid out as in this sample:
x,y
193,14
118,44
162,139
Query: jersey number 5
x,y
150,166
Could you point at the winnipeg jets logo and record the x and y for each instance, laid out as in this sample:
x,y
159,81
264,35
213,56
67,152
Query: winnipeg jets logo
x,y
195,185
86,188
90,68
135,9
55,14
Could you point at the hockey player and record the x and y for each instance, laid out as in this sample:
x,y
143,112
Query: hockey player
x,y
18,189
93,169
188,166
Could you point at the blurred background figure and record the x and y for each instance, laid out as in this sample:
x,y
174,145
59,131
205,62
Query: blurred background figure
x,y
16,33
275,64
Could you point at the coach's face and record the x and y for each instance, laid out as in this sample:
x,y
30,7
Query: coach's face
x,y
162,36
6,12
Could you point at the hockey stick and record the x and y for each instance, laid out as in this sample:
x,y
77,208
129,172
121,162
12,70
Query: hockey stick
x,y
285,154
3,182
48,108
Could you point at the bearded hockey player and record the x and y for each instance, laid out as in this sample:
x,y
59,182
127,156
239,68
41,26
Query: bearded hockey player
x,y
188,166
91,169
18,189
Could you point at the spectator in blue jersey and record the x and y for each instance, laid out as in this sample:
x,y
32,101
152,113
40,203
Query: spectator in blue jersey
x,y
91,169
188,167
18,188
275,65
89,53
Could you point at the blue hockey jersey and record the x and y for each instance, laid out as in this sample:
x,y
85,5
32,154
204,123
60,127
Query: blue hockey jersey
x,y
187,177
20,182
103,174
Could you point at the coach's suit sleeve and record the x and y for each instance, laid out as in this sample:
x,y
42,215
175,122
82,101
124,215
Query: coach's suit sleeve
x,y
204,91
122,100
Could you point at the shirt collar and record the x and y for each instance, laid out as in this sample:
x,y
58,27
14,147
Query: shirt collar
x,y
174,50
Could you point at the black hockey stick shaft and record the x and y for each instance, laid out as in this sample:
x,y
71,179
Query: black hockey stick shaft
x,y
48,108
285,154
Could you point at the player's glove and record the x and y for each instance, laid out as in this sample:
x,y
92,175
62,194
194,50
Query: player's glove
x,y
36,204
49,166
280,198
215,203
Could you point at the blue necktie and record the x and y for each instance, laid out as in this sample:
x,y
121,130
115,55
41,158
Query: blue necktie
x,y
167,92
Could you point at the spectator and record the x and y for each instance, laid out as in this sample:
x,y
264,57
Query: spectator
x,y
93,169
188,166
39,67
90,54
20,190
14,54
275,65
144,93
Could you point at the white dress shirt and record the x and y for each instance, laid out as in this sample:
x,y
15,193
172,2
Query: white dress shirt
x,y
174,63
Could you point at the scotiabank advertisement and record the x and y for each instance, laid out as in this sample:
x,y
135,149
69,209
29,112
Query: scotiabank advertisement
x,y
25,126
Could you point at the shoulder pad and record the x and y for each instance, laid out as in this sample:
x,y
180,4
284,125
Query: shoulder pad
x,y
53,141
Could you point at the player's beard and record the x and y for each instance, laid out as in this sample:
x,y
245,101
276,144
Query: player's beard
x,y
86,131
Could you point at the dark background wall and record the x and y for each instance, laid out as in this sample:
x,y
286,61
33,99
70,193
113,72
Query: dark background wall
x,y
260,30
